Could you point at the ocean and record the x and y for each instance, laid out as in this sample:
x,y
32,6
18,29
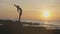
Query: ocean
x,y
48,23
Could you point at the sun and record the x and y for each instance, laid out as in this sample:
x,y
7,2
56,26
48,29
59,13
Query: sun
x,y
46,13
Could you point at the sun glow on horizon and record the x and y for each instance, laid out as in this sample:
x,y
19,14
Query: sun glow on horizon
x,y
46,13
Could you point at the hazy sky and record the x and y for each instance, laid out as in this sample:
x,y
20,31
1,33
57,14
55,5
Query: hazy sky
x,y
32,9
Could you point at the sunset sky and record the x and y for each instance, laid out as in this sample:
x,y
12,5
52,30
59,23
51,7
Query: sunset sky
x,y
32,9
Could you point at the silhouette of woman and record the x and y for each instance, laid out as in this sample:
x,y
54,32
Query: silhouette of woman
x,y
19,10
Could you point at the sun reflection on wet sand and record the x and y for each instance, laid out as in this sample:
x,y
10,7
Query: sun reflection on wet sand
x,y
48,26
